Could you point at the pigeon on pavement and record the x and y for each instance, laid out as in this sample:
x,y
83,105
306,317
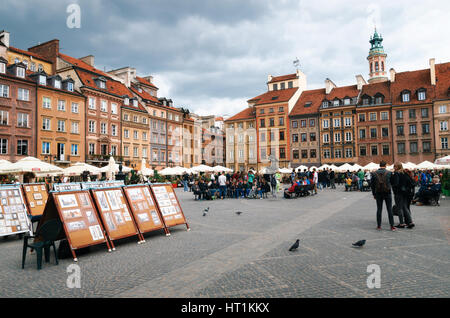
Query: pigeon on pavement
x,y
359,243
295,246
238,212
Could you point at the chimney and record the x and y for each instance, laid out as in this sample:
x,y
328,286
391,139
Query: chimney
x,y
88,60
329,85
149,79
392,73
432,71
269,78
4,38
360,81
49,50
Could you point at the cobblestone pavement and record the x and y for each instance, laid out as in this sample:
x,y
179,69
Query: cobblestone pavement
x,y
226,255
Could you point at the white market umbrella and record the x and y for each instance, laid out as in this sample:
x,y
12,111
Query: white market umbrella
x,y
345,167
144,170
113,167
371,166
333,167
170,172
312,168
219,168
356,167
31,164
301,168
443,161
425,165
203,168
4,164
324,166
79,167
284,170
409,166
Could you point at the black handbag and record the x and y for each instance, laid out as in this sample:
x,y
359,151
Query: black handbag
x,y
395,210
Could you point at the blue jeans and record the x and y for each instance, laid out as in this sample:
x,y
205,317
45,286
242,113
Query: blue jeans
x,y
223,191
185,184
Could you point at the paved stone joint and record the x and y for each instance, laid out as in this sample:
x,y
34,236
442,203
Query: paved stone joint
x,y
226,255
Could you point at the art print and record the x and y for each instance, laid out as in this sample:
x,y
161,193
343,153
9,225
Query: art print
x,y
102,201
143,217
113,200
67,201
75,226
96,232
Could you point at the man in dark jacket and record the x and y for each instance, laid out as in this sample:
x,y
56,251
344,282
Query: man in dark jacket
x,y
381,190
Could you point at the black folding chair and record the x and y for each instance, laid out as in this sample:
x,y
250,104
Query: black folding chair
x,y
49,231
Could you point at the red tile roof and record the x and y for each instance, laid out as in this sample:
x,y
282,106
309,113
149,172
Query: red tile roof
x,y
283,78
247,113
374,88
144,81
278,96
344,91
83,65
14,49
412,81
144,95
443,81
314,96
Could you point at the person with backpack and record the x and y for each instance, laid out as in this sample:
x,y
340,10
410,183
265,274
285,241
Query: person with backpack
x,y
381,190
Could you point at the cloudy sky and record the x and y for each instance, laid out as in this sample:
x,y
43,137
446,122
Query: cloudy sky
x,y
213,55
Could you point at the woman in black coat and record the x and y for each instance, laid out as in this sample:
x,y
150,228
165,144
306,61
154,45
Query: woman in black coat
x,y
401,186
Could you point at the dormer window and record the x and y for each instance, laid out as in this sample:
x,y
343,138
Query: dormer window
x,y
102,84
379,99
70,86
20,72
26,64
57,84
336,102
2,68
135,102
275,87
40,68
325,104
42,80
347,101
33,67
365,100
421,94
126,101
405,96
290,84
282,86
308,104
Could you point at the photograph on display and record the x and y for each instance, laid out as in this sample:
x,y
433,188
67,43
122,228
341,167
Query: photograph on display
x,y
32,205
75,226
102,201
16,193
4,194
114,201
91,217
140,206
38,203
109,221
135,194
146,192
171,195
27,189
67,201
145,205
127,216
155,217
43,187
96,232
118,217
73,213
37,196
143,217
35,188
84,199
4,201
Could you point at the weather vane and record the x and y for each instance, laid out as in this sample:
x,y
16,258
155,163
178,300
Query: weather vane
x,y
296,62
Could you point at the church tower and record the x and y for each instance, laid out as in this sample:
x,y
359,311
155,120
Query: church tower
x,y
377,60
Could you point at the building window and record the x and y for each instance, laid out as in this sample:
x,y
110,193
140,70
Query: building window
x,y
326,138
347,121
400,130
271,122
282,85
42,80
399,114
294,137
104,149
412,129
20,72
303,137
412,113
74,150
4,91
23,94
125,117
45,148
294,124
337,137
384,116
22,120
325,123
444,143
401,148
135,152
324,104
22,147
3,146
4,117
114,108
312,137
413,147
374,150
424,112
442,109
362,151
103,129
384,132
91,149
312,153
373,116
61,125
405,97
275,87
348,136
425,129
75,108
70,86
362,117
46,123
348,152
295,154
135,134
281,121
385,150
443,125
373,133
75,128
337,122
91,126
103,106
91,103
338,153
326,153
281,135
421,95
304,154
362,134
365,101
2,68
62,105
378,100
426,146
262,123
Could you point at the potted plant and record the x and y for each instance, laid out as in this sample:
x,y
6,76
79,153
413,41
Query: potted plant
x,y
445,183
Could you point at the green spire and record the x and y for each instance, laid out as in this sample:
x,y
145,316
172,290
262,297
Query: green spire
x,y
375,41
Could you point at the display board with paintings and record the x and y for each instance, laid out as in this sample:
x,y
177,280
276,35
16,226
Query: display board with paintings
x,y
113,209
168,204
77,212
102,184
13,212
144,209
67,186
36,196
